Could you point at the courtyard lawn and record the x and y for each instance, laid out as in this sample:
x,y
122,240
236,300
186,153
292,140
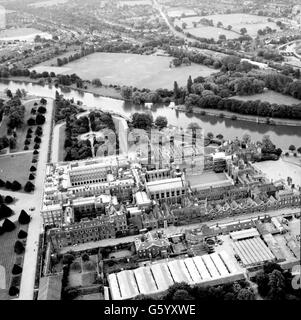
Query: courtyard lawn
x,y
237,20
8,258
140,71
15,167
271,97
208,179
276,170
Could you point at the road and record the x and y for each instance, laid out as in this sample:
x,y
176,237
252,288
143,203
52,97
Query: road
x,y
180,229
171,27
35,200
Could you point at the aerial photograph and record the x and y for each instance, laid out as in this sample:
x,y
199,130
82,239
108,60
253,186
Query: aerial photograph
x,y
150,150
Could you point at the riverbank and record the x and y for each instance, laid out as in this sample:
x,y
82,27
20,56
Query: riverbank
x,y
111,92
236,116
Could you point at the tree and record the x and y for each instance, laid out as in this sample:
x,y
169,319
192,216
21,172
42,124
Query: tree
x,y
142,120
8,226
5,211
33,169
36,152
22,234
176,91
13,291
31,177
29,187
2,183
229,27
16,269
8,200
42,110
19,247
161,122
243,31
43,101
189,84
96,82
9,94
246,294
246,138
277,285
24,218
292,148
182,295
16,186
8,185
36,146
184,25
126,92
262,280
31,122
85,257
40,119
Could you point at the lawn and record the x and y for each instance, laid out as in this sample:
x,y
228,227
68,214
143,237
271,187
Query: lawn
x,y
237,20
8,257
136,70
22,34
22,131
62,135
15,167
271,97
208,178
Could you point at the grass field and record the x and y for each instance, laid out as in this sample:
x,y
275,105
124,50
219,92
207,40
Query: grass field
x,y
22,34
8,257
270,96
237,20
141,71
15,167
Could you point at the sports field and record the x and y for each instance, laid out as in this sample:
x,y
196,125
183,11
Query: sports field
x,y
141,71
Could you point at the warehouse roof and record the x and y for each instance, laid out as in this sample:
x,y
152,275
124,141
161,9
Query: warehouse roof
x,y
160,276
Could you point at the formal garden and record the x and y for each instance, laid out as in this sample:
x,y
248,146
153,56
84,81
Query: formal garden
x,y
13,242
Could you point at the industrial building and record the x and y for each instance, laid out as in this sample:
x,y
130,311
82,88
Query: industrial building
x,y
210,269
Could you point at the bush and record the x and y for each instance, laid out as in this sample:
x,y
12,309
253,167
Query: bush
x,y
22,234
13,291
8,199
19,248
8,226
24,218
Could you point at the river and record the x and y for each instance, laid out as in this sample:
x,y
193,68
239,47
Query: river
x,y
282,136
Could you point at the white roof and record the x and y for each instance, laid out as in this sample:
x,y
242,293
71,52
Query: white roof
x,y
142,198
165,184
145,280
246,233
